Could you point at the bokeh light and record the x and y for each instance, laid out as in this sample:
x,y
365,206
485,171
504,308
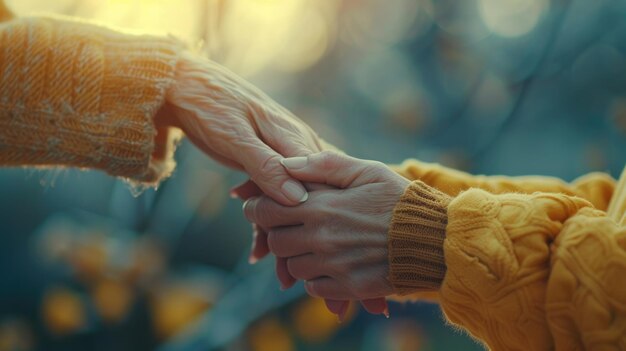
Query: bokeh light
x,y
512,18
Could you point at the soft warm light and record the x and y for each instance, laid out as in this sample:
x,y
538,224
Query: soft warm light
x,y
512,18
112,299
314,323
270,335
63,311
292,33
369,23
245,35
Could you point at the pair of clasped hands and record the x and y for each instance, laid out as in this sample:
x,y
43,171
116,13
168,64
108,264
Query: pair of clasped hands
x,y
324,215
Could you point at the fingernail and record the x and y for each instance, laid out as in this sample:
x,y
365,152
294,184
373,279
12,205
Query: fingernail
x,y
245,204
252,260
294,191
294,162
386,312
342,313
233,195
248,203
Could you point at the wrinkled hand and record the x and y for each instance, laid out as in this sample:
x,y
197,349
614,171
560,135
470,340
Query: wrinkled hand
x,y
337,240
238,125
242,128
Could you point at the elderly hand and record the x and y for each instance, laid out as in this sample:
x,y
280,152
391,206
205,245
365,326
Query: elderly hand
x,y
238,125
337,240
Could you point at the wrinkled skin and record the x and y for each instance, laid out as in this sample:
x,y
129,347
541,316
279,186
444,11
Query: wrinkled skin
x,y
239,126
337,240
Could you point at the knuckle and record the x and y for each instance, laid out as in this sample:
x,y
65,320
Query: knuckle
x,y
322,243
268,169
328,159
335,269
376,167
322,206
347,266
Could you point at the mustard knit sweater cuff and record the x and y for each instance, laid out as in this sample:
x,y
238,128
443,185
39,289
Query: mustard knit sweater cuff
x,y
416,235
80,95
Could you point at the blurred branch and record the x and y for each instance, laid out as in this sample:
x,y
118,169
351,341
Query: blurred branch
x,y
527,84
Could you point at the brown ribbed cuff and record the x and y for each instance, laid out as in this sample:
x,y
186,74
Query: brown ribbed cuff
x,y
416,235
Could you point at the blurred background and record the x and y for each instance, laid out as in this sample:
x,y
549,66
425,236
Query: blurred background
x,y
488,86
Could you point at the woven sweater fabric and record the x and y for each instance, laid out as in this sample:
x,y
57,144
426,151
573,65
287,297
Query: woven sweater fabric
x,y
81,95
528,263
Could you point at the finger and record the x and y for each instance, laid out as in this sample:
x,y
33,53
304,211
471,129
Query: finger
x,y
306,267
263,165
293,142
329,168
338,307
376,306
260,248
327,288
288,135
334,306
282,273
246,190
268,213
360,285
289,241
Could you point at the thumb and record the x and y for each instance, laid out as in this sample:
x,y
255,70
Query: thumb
x,y
330,168
264,167
245,190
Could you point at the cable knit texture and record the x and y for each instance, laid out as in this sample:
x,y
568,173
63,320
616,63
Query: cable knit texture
x,y
538,269
416,239
596,187
76,94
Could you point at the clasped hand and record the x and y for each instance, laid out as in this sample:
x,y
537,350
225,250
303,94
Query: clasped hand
x,y
336,241
334,237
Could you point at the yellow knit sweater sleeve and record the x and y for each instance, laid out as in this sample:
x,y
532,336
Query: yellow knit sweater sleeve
x,y
80,95
596,187
542,271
